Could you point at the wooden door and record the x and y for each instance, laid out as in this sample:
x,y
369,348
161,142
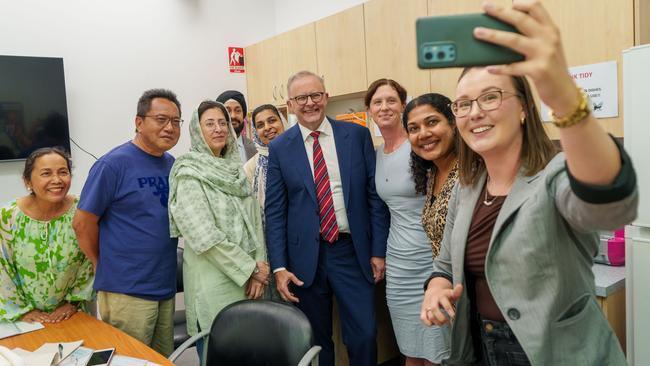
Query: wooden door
x,y
298,53
390,43
341,52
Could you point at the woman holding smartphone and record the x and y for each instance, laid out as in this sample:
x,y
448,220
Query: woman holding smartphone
x,y
514,272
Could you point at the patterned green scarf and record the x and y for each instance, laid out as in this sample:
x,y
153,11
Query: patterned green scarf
x,y
218,174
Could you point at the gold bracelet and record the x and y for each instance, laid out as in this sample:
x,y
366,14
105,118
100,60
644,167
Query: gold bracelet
x,y
579,114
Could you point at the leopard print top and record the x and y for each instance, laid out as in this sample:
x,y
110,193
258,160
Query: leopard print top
x,y
434,212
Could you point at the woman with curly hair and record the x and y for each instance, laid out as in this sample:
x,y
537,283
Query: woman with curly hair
x,y
431,129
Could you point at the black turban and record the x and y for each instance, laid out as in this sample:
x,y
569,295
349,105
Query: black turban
x,y
234,95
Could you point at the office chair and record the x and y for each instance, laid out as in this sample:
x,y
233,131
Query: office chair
x,y
180,323
259,333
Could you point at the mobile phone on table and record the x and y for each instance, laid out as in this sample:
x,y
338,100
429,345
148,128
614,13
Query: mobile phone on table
x,y
448,41
101,357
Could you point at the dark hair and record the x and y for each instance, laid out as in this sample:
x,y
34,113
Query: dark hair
x,y
536,149
420,167
210,104
31,159
372,89
264,107
144,103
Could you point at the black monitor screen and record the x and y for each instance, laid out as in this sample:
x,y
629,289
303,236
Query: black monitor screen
x,y
33,111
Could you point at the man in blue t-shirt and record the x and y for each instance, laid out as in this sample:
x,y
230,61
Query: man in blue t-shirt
x,y
122,225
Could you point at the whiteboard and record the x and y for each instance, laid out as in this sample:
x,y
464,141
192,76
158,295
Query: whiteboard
x,y
636,123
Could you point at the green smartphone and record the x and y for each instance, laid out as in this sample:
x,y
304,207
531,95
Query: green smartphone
x,y
448,41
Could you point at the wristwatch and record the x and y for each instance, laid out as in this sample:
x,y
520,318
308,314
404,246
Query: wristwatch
x,y
256,270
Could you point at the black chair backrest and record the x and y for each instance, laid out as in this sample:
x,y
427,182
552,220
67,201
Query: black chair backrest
x,y
179,269
260,333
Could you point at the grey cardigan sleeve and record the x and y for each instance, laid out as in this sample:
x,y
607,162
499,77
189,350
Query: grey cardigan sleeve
x,y
590,207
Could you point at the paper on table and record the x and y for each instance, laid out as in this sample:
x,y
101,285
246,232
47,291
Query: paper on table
x,y
66,350
39,359
8,329
118,360
80,356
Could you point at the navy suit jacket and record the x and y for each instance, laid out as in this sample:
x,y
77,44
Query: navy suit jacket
x,y
292,220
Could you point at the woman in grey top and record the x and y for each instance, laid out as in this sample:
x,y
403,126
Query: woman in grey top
x,y
408,255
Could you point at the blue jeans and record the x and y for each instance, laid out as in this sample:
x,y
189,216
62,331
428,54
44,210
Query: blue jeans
x,y
500,346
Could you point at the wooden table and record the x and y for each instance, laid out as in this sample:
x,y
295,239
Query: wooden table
x,y
95,334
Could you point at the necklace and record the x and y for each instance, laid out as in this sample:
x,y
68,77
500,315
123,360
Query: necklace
x,y
486,201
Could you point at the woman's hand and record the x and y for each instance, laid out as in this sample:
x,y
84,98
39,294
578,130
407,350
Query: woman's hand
x,y
437,297
63,312
254,289
35,316
262,275
541,44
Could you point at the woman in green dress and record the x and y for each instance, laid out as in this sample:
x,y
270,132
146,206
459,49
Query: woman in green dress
x,y
211,207
44,275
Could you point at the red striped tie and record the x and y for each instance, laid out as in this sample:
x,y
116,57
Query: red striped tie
x,y
329,229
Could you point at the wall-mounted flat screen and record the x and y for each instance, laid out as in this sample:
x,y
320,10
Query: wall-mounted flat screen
x,y
33,109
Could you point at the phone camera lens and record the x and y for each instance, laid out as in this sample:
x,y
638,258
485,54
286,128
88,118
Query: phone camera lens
x,y
440,55
428,55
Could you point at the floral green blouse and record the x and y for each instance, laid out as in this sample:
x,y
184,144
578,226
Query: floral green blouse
x,y
41,264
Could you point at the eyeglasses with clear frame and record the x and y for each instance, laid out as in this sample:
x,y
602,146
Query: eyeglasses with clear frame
x,y
302,99
162,120
487,101
211,124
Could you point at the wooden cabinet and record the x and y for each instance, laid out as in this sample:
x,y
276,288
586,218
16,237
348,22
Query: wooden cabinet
x,y
298,53
270,63
613,307
390,43
341,51
262,63
641,22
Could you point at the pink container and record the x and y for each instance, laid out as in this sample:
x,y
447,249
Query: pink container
x,y
616,251
620,233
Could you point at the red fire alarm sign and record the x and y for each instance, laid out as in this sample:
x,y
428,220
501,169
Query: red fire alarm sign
x,y
236,59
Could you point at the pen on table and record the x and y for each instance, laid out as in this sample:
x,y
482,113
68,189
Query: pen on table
x,y
60,351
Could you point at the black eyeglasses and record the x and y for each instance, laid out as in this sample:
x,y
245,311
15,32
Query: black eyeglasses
x,y
488,101
302,99
162,120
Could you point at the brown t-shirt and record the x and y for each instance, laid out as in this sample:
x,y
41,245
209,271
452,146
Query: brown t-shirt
x,y
478,240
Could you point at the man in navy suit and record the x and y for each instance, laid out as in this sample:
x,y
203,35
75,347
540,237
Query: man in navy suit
x,y
326,226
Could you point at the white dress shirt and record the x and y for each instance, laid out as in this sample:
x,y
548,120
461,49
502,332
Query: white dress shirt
x,y
328,146
242,150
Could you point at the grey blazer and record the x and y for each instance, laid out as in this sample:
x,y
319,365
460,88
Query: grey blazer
x,y
249,148
538,267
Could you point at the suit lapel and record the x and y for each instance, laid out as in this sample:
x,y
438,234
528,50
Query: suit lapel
x,y
467,198
518,195
301,161
343,153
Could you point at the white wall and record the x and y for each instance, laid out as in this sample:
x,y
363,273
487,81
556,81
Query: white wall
x,y
114,50
290,14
